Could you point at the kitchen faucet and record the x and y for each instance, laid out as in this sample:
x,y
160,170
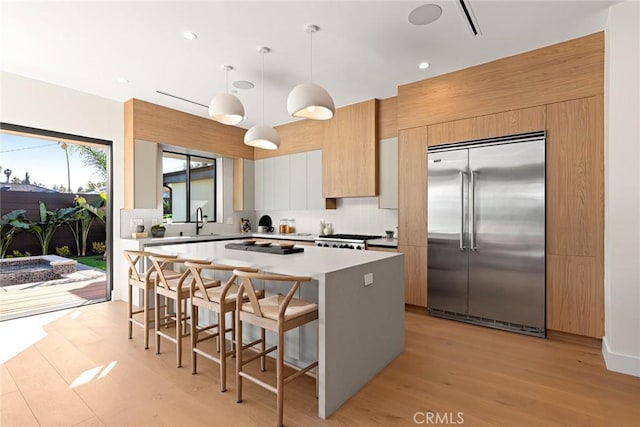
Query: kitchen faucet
x,y
199,221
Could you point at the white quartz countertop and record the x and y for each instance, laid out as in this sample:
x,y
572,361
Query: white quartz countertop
x,y
388,243
224,236
313,261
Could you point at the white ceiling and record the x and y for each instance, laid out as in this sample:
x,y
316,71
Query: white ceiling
x,y
364,49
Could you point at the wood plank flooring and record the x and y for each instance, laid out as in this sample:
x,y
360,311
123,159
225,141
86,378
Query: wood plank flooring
x,y
77,368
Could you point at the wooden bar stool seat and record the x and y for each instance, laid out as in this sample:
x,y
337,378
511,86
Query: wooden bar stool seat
x,y
220,300
142,275
277,313
177,289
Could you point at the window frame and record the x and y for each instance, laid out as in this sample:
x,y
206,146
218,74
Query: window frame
x,y
188,157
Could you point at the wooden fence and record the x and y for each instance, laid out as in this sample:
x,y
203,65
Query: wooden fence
x,y
27,242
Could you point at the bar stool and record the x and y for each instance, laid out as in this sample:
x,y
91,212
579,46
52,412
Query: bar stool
x,y
177,289
278,313
144,281
220,300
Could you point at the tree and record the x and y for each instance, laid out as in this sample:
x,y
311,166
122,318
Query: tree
x,y
48,224
93,157
86,213
8,173
15,180
10,224
65,147
26,179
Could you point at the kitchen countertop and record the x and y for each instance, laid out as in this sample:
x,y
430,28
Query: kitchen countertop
x,y
222,236
387,243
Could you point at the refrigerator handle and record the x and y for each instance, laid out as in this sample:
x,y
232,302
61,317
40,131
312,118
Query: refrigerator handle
x,y
462,177
472,212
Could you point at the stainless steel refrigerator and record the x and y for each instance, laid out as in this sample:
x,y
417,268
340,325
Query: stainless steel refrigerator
x,y
486,232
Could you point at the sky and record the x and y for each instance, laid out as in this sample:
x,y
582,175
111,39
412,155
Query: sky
x,y
44,160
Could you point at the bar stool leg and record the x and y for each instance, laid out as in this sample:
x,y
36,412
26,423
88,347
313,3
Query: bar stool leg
x,y
145,296
130,309
280,375
222,334
194,338
263,347
179,316
238,357
157,322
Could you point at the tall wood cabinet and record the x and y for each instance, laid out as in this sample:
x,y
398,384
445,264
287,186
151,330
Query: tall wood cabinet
x,y
575,216
350,152
412,212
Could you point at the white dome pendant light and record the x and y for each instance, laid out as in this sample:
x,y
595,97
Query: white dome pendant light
x,y
226,108
308,100
262,136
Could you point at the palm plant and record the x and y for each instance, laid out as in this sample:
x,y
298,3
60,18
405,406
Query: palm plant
x,y
48,224
87,213
10,224
93,157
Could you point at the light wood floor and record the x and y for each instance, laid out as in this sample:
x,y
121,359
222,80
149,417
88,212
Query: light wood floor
x,y
79,369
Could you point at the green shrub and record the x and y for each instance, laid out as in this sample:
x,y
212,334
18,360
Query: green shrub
x,y
64,252
99,247
17,254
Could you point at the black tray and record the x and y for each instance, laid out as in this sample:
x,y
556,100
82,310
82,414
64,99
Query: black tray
x,y
265,249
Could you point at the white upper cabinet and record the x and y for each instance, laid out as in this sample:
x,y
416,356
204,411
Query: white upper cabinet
x,y
298,181
314,180
289,182
388,173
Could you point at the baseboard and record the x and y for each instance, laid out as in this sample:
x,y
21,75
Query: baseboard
x,y
618,362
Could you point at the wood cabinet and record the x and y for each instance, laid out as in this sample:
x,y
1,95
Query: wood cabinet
x,y
492,125
575,216
412,212
415,274
243,185
412,187
575,295
350,152
388,173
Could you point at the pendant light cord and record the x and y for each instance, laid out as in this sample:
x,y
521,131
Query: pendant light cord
x,y
310,56
263,52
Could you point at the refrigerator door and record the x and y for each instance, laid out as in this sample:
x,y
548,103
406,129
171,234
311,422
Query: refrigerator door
x,y
507,233
447,260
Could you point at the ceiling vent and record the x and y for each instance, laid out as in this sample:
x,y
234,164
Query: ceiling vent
x,y
181,98
469,17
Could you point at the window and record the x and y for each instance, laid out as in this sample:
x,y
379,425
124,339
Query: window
x,y
189,183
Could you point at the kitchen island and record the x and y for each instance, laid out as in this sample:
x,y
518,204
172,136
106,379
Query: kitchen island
x,y
360,296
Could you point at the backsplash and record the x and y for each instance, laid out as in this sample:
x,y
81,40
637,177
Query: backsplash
x,y
151,216
353,215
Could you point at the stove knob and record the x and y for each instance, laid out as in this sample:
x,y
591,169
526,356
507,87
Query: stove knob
x,y
350,247
359,247
326,245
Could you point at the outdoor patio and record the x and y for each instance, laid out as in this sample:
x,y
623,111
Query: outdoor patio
x,y
85,286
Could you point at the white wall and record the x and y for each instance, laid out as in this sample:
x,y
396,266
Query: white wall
x,y
621,344
37,104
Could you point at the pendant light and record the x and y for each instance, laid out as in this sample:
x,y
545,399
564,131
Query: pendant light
x,y
309,100
262,136
226,108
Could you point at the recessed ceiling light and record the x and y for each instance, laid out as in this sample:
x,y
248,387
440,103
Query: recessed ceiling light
x,y
122,80
425,14
423,65
242,84
189,35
